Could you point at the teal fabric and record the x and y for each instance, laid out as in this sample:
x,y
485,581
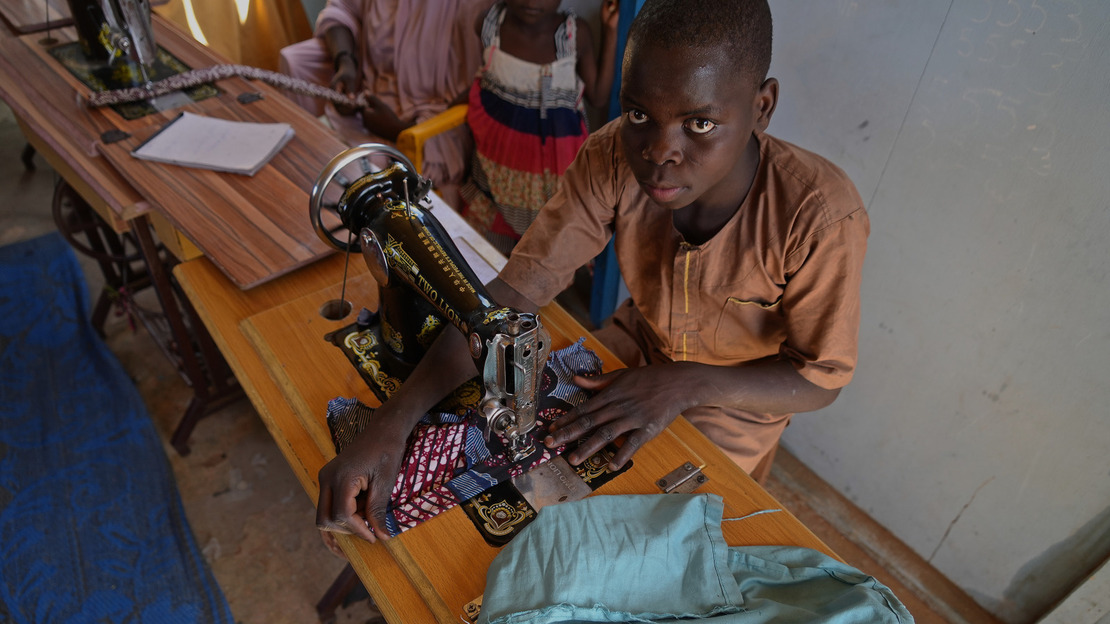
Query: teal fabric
x,y
663,558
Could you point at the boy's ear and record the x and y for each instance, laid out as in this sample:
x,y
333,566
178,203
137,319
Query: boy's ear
x,y
766,98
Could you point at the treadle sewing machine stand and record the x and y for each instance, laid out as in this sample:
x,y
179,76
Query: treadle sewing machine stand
x,y
116,39
176,330
188,344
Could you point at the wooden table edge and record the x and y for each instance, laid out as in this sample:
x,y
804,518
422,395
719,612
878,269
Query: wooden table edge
x,y
397,608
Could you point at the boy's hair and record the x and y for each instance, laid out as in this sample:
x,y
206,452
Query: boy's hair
x,y
740,27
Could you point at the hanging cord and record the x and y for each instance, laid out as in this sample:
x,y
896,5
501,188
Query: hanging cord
x,y
205,75
753,514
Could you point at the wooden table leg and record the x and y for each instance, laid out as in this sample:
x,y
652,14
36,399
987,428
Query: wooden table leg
x,y
28,157
117,255
344,584
189,343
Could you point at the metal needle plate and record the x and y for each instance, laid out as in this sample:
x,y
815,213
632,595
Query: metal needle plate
x,y
551,483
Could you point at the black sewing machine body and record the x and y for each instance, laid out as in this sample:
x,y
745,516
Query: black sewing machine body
x,y
424,280
114,29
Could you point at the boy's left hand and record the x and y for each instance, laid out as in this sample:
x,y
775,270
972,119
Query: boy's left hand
x,y
636,402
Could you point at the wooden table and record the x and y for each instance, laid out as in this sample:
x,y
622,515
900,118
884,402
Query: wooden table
x,y
254,228
272,337
63,132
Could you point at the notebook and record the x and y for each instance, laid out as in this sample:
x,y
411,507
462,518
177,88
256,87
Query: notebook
x,y
191,140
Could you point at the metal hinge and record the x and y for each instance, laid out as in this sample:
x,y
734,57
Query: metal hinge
x,y
684,479
472,611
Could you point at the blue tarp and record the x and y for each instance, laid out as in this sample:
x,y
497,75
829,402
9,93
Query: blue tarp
x,y
91,523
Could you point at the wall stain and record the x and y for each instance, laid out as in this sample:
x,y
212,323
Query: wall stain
x,y
994,396
1047,578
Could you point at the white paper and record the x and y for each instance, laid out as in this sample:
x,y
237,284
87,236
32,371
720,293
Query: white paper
x,y
212,143
478,253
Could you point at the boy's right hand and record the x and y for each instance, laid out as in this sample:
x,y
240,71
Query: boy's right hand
x,y
636,403
356,485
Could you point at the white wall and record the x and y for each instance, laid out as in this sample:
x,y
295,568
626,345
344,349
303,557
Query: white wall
x,y
978,133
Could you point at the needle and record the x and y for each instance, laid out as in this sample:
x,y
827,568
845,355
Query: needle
x,y
408,206
346,262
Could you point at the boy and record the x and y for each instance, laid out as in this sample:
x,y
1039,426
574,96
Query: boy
x,y
742,254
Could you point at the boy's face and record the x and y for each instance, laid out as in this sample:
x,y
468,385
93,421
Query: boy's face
x,y
688,124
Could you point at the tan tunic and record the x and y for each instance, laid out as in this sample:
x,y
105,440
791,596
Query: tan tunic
x,y
780,280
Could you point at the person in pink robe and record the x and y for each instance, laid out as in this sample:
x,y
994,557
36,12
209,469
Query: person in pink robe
x,y
411,61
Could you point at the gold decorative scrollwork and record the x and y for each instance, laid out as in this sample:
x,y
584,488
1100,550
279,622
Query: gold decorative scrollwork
x,y
496,315
429,330
596,465
362,344
501,518
392,337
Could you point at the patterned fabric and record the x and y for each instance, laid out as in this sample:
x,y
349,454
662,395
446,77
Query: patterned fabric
x,y
528,123
451,455
91,523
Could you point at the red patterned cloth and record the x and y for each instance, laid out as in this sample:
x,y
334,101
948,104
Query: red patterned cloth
x,y
451,456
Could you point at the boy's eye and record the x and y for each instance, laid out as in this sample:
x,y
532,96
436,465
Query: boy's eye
x,y
636,117
700,126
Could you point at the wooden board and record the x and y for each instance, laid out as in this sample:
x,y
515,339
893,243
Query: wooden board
x,y
255,228
221,306
62,129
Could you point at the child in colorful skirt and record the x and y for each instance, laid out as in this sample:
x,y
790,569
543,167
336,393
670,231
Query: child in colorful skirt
x,y
526,109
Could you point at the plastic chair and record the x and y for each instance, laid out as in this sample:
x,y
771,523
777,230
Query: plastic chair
x,y
411,140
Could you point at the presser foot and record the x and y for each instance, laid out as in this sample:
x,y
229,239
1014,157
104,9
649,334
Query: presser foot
x,y
551,483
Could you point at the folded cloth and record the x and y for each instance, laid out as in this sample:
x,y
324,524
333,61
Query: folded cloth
x,y
663,557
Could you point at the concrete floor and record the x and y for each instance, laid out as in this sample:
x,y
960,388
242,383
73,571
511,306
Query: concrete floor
x,y
249,514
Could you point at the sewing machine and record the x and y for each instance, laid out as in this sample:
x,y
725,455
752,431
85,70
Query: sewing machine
x,y
424,280
110,30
